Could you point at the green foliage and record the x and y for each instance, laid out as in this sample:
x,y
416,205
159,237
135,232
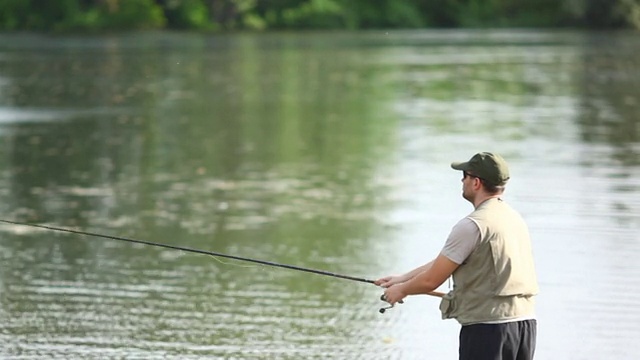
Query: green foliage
x,y
13,14
300,13
595,13
440,13
187,14
131,14
508,13
314,14
387,14
630,10
402,14
36,14
253,22
247,16
65,15
475,13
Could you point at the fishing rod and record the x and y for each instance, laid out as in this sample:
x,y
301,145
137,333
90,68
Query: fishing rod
x,y
210,253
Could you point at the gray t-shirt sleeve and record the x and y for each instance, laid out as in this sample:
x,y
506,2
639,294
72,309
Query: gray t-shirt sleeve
x,y
462,240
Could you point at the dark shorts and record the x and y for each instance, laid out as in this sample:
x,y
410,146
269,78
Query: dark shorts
x,y
509,341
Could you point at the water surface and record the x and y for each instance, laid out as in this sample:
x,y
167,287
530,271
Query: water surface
x,y
323,150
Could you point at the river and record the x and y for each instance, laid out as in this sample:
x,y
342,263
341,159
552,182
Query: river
x,y
328,151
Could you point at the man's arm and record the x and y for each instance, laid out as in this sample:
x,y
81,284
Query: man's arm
x,y
429,280
463,239
425,282
392,280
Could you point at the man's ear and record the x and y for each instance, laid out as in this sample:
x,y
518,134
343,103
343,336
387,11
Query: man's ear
x,y
477,183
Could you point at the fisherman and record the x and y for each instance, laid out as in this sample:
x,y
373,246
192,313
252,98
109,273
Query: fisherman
x,y
489,255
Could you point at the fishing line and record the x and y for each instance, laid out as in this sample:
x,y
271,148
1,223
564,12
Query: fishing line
x,y
210,253
197,251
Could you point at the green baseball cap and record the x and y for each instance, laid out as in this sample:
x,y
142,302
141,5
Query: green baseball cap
x,y
488,166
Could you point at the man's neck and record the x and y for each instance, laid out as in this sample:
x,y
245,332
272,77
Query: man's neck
x,y
482,198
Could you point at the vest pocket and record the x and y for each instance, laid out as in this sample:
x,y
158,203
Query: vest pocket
x,y
447,305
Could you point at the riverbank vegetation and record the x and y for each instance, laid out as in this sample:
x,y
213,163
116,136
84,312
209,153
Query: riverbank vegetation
x,y
231,15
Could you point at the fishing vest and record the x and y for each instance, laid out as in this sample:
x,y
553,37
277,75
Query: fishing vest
x,y
497,282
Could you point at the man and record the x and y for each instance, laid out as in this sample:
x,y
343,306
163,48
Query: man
x,y
489,255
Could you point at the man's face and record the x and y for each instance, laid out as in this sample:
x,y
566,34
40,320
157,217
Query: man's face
x,y
467,186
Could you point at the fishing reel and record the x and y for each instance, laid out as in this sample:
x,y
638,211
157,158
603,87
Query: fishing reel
x,y
383,298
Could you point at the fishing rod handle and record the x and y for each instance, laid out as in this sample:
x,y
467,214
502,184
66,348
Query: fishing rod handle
x,y
384,298
436,294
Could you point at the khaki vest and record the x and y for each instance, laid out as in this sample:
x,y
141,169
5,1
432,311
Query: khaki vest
x,y
497,282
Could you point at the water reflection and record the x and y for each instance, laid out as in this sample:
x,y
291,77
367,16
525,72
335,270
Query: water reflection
x,y
610,97
327,151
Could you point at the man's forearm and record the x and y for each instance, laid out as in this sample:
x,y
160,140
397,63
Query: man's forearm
x,y
417,271
422,283
429,280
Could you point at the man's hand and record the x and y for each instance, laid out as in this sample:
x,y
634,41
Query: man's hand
x,y
388,281
394,294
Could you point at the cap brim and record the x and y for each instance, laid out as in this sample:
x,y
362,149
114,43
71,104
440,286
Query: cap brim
x,y
462,166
